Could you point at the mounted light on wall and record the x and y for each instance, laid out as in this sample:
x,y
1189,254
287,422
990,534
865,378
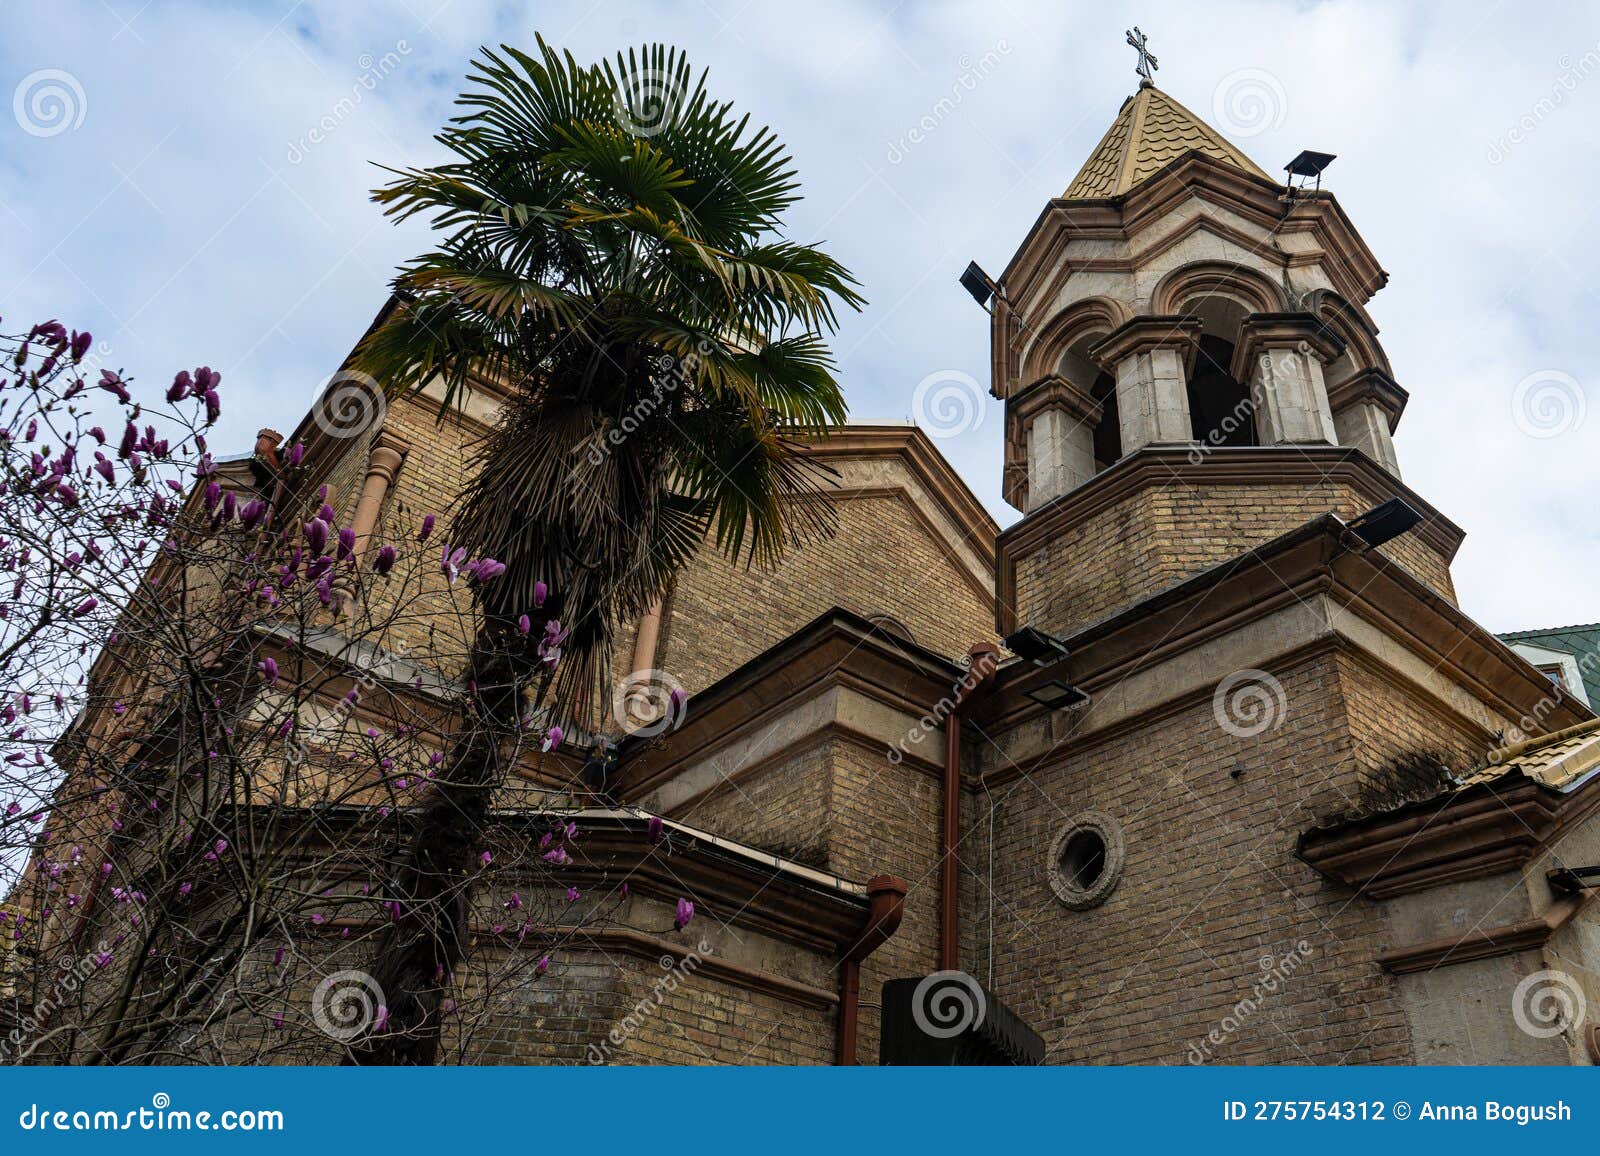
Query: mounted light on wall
x,y
1036,646
1045,650
1385,522
978,283
1058,695
1308,165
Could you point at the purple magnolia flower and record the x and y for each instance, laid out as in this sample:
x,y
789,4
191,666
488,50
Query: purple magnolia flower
x,y
654,828
269,670
685,913
524,624
542,966
514,903
381,1021
316,532
185,888
486,570
485,859
427,528
540,593
550,644
677,699
85,607
347,544
111,383
552,739
558,857
213,406
385,559
573,895
180,387
297,453
104,468
450,561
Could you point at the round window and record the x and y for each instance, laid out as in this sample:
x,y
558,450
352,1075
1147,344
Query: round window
x,y
1086,860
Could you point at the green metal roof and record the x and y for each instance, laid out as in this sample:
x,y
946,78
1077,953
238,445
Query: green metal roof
x,y
1582,642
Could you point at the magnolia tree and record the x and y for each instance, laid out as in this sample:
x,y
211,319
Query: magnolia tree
x,y
224,715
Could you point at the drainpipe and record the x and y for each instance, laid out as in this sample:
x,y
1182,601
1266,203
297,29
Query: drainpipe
x,y
983,658
887,895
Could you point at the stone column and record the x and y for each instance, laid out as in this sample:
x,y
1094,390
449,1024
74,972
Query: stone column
x,y
1151,358
383,464
1280,356
1366,409
1058,419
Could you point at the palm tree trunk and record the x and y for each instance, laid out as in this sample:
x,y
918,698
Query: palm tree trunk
x,y
427,939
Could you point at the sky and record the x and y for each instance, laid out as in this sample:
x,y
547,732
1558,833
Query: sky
x,y
190,182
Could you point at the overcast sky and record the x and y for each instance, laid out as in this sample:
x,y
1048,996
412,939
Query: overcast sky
x,y
190,182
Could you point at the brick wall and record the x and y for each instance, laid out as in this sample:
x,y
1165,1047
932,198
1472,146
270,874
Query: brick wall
x,y
1210,889
1164,534
883,560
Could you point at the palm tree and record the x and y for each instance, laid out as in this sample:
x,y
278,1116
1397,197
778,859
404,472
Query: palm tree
x,y
612,257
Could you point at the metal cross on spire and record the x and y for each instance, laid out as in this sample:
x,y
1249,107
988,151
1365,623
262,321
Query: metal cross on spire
x,y
1147,62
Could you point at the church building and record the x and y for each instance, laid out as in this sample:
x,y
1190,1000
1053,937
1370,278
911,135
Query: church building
x,y
1198,761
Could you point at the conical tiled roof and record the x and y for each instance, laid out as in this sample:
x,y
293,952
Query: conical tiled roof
x,y
1150,132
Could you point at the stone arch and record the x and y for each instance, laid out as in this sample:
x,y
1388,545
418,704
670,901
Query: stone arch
x,y
1062,350
1350,322
1071,330
1222,297
1244,287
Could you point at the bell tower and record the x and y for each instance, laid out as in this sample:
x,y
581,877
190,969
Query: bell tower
x,y
1188,369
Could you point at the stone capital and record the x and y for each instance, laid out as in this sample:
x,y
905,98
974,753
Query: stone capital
x,y
1370,387
1266,332
1143,334
388,452
1056,392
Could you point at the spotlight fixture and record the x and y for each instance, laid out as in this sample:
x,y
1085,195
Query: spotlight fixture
x,y
1571,880
1058,695
978,283
1035,645
1308,165
1385,522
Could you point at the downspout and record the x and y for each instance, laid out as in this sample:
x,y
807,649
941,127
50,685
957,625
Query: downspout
x,y
983,658
886,895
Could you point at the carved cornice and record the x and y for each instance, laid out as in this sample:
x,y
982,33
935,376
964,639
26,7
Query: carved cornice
x,y
1265,332
1143,334
1484,943
836,649
1055,392
1372,386
1337,593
